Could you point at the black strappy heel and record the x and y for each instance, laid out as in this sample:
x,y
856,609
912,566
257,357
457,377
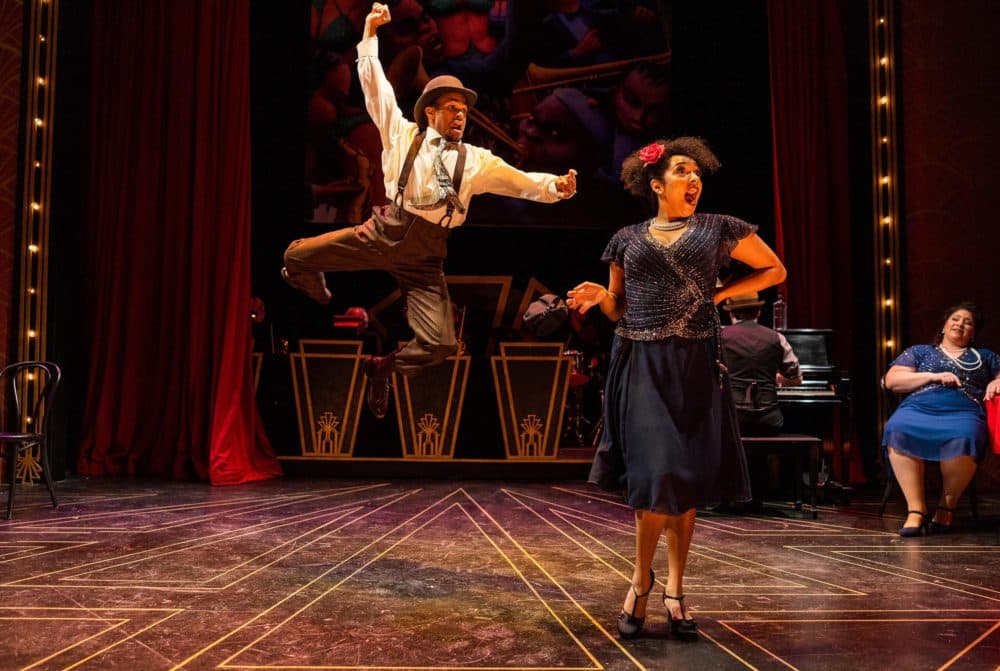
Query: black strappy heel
x,y
937,527
630,626
684,628
910,532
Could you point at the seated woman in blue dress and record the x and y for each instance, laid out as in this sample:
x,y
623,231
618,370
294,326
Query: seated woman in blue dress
x,y
942,417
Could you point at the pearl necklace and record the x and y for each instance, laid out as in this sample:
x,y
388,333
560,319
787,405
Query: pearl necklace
x,y
976,364
660,225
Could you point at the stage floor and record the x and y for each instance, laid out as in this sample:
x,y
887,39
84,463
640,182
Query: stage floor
x,y
333,574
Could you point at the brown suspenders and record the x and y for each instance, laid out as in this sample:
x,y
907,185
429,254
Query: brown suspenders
x,y
404,176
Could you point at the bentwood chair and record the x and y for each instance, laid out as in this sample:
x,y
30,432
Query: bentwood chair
x,y
25,426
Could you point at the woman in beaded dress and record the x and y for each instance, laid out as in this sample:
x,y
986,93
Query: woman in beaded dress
x,y
942,417
670,439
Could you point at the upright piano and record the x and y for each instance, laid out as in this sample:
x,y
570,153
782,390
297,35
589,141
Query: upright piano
x,y
818,404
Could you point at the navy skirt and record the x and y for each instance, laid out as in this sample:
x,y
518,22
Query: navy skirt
x,y
936,425
671,440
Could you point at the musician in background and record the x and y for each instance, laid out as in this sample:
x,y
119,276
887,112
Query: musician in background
x,y
759,360
942,417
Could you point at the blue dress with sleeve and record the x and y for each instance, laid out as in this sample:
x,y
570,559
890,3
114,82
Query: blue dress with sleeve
x,y
935,422
671,439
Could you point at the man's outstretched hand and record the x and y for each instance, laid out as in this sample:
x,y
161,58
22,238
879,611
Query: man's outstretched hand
x,y
379,16
566,185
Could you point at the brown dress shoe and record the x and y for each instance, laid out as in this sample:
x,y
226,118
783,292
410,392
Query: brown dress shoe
x,y
378,369
312,285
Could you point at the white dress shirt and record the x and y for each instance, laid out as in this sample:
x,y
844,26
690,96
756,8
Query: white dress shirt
x,y
484,171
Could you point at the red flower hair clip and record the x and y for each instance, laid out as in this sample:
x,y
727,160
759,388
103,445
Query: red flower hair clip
x,y
651,153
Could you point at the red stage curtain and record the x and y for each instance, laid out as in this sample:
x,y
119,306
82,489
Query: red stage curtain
x,y
811,186
170,390
809,118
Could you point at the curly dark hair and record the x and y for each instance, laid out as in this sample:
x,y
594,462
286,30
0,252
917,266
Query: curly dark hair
x,y
636,174
978,321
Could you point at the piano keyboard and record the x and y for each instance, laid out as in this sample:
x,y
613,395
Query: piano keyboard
x,y
804,391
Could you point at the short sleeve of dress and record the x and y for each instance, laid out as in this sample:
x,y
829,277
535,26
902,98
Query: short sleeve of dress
x,y
909,359
992,361
615,251
732,230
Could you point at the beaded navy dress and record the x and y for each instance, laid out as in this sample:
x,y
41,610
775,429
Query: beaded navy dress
x,y
671,439
935,422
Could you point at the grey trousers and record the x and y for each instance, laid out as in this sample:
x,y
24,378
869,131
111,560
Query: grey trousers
x,y
410,249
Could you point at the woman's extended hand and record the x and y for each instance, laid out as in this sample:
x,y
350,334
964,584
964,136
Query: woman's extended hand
x,y
586,295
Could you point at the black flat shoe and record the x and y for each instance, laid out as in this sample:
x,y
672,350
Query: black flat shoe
x,y
378,369
910,532
938,528
630,626
684,628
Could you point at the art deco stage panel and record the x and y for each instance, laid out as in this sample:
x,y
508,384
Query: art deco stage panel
x,y
307,574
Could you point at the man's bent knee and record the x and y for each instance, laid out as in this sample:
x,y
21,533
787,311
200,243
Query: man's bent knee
x,y
294,258
441,352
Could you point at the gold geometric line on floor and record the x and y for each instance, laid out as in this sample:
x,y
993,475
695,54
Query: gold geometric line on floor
x,y
707,519
725,648
316,579
228,508
900,572
66,502
159,552
593,620
842,590
23,582
706,552
18,553
731,625
552,507
117,622
528,584
621,528
967,649
394,499
595,519
790,527
181,585
229,662
332,630
701,551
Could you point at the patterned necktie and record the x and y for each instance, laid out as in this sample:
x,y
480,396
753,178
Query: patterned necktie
x,y
446,190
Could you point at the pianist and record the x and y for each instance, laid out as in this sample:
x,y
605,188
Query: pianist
x,y
759,360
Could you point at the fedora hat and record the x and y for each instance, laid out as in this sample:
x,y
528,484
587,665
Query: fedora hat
x,y
437,87
740,301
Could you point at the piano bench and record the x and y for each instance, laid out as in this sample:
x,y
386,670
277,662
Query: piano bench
x,y
797,444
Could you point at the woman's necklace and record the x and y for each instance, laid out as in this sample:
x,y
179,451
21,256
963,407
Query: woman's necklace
x,y
659,224
975,364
